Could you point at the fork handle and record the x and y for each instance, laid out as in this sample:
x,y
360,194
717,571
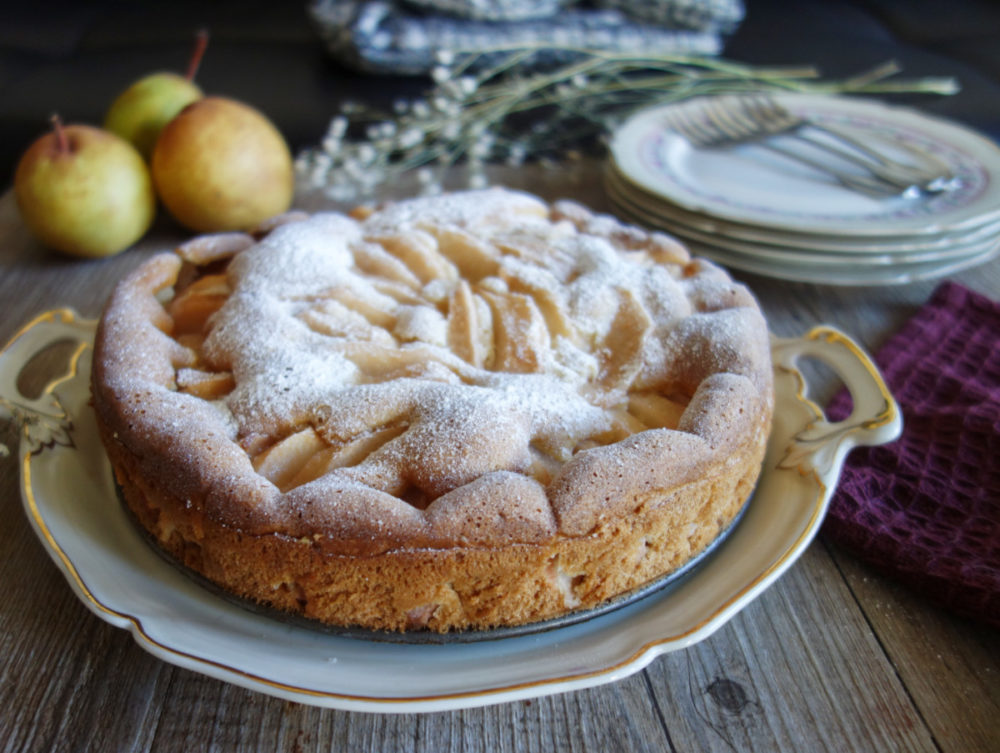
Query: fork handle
x,y
893,171
870,185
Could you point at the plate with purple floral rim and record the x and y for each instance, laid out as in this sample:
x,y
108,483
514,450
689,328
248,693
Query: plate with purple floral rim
x,y
750,185
922,247
813,267
69,499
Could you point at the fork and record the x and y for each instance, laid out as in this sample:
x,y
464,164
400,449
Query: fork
x,y
733,120
931,175
710,124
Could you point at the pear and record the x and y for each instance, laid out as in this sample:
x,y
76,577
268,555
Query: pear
x,y
84,191
222,165
140,112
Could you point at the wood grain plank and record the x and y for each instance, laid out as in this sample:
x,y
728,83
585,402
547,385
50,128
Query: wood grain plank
x,y
68,680
198,713
949,665
798,670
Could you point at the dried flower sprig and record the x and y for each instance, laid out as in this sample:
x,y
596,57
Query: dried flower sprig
x,y
490,107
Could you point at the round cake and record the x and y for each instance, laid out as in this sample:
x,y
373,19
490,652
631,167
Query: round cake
x,y
448,413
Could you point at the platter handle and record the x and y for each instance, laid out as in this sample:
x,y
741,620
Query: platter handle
x,y
875,417
43,420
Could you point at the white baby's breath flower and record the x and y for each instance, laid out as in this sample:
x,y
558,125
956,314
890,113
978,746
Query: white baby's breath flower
x,y
331,145
420,109
468,84
338,127
410,138
366,154
516,154
444,57
491,107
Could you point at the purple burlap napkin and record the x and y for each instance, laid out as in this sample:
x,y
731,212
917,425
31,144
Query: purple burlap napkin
x,y
926,508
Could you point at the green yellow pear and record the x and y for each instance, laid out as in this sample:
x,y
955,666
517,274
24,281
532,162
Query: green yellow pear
x,y
140,112
222,165
84,191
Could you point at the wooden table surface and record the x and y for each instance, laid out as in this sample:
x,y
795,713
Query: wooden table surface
x,y
833,657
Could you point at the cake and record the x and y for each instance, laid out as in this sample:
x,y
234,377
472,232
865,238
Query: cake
x,y
449,413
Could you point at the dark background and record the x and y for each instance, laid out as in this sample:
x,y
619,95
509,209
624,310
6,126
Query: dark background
x,y
74,57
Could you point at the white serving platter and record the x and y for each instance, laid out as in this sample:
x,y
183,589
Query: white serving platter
x,y
70,500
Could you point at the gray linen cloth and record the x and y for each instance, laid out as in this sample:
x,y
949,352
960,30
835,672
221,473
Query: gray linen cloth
x,y
407,36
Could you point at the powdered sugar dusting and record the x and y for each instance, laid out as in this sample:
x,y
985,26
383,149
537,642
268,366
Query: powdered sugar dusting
x,y
481,374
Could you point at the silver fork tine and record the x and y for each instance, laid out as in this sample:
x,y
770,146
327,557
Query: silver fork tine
x,y
772,116
729,120
776,120
735,119
701,131
736,125
764,106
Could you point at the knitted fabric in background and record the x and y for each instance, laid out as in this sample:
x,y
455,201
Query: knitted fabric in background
x,y
926,508
407,36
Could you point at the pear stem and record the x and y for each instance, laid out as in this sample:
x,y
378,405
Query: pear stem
x,y
200,43
62,143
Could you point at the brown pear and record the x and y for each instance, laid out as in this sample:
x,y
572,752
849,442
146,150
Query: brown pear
x,y
222,165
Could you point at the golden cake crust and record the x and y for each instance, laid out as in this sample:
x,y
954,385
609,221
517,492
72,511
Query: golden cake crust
x,y
447,413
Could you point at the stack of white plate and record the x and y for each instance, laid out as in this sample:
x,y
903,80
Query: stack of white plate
x,y
753,210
